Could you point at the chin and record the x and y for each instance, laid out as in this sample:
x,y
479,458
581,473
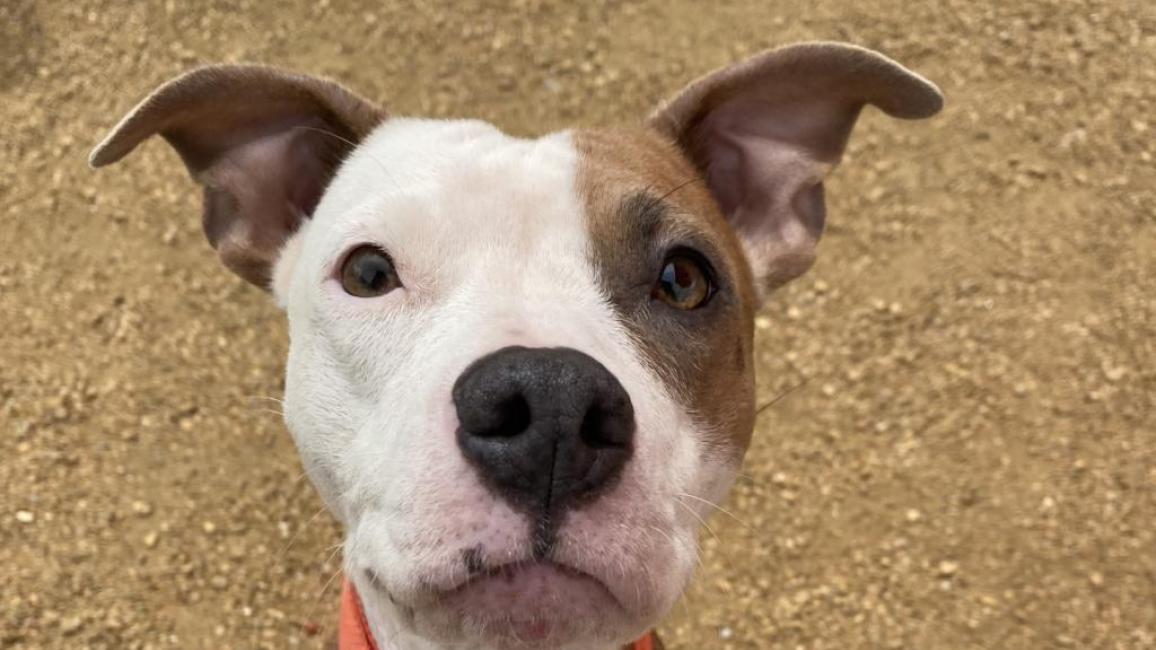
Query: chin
x,y
530,604
536,604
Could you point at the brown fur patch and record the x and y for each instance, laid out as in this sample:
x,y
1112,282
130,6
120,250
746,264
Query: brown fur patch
x,y
643,198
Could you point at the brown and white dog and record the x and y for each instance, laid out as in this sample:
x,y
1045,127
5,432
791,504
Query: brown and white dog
x,y
520,370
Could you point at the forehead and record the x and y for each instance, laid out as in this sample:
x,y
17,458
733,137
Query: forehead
x,y
462,173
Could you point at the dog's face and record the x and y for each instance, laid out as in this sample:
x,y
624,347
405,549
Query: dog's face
x,y
520,370
511,417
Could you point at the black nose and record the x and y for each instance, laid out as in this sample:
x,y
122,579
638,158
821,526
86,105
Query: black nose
x,y
546,427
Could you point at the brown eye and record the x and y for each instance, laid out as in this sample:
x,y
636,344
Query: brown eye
x,y
684,282
368,272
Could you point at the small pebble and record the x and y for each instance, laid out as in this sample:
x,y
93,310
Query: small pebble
x,y
70,624
947,568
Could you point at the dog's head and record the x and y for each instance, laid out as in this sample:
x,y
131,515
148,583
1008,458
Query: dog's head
x,y
520,370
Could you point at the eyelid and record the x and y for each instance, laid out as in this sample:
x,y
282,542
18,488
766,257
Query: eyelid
x,y
338,263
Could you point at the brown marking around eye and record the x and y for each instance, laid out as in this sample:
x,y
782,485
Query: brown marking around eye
x,y
640,195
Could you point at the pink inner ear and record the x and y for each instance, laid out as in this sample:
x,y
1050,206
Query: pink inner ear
x,y
257,193
765,160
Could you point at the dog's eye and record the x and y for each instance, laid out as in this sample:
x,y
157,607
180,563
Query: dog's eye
x,y
368,272
684,283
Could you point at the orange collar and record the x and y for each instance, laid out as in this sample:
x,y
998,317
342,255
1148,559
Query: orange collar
x,y
353,632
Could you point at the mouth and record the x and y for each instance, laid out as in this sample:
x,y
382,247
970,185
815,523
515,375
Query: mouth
x,y
528,603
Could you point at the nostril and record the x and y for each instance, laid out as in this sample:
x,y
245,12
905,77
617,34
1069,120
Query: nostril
x,y
592,431
514,417
604,428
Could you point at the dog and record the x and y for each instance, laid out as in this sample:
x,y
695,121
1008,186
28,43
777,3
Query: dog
x,y
520,370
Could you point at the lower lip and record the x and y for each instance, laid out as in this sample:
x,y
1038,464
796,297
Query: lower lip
x,y
530,602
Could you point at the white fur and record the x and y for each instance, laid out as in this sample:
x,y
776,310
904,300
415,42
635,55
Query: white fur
x,y
490,240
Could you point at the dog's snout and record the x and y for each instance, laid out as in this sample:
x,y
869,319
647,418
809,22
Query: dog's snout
x,y
545,427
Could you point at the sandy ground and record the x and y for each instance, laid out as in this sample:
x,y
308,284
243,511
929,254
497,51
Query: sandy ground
x,y
971,462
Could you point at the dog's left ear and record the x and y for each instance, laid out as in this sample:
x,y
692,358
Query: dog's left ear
x,y
765,132
263,142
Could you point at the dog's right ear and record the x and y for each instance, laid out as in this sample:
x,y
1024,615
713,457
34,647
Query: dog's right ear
x,y
263,142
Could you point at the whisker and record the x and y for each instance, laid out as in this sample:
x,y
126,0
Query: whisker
x,y
329,582
700,519
717,507
300,477
780,396
301,127
352,146
300,530
663,533
695,179
324,592
749,477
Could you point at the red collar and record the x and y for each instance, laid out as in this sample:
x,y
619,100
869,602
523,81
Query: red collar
x,y
353,632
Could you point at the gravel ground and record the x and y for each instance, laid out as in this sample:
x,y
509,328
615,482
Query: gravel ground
x,y
970,461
